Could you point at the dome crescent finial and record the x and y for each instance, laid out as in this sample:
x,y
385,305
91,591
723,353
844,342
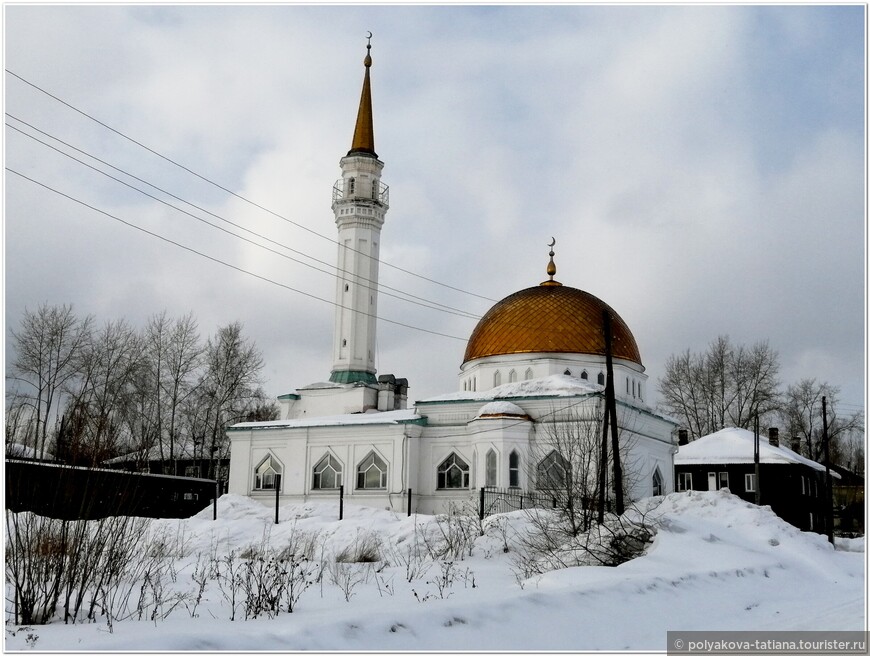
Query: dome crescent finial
x,y
551,267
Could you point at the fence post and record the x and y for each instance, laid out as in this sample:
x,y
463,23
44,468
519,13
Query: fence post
x,y
482,501
277,494
410,495
341,502
217,488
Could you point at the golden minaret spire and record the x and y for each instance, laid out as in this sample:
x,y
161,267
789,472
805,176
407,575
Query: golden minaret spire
x,y
364,132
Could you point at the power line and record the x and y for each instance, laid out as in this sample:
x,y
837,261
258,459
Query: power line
x,y
232,193
370,285
222,262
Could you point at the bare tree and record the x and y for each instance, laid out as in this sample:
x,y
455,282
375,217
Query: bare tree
x,y
727,385
232,375
100,406
801,415
47,348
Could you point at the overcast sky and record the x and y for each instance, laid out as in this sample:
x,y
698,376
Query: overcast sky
x,y
700,167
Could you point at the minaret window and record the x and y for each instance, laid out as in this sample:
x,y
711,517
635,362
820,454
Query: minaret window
x,y
374,189
351,186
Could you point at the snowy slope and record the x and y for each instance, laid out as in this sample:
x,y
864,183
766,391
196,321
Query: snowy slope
x,y
717,562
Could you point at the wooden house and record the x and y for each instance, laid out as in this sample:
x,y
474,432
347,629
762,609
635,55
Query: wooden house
x,y
792,485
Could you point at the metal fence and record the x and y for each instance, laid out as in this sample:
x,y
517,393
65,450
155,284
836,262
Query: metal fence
x,y
495,500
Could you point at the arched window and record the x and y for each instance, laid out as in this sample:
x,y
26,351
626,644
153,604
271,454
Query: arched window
x,y
327,473
601,378
567,372
633,388
514,469
496,379
371,473
512,376
529,373
553,471
474,384
453,473
626,386
491,468
267,473
584,376
658,483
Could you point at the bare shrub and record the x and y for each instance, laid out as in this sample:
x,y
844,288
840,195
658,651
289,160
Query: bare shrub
x,y
365,548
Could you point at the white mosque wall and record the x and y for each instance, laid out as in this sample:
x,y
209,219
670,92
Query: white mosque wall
x,y
483,374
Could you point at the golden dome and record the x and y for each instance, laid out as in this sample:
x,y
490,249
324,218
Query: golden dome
x,y
549,318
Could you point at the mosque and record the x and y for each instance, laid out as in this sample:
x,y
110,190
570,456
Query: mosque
x,y
534,371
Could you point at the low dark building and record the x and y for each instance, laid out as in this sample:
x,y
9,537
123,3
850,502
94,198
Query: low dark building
x,y
792,485
187,461
848,502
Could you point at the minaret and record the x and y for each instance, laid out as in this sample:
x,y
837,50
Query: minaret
x,y
360,202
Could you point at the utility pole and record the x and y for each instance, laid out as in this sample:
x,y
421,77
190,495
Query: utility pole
x,y
610,400
757,467
829,500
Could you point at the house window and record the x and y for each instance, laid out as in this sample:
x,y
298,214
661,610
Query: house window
x,y
453,473
514,469
723,480
749,481
553,471
267,474
327,473
496,379
601,378
491,468
371,473
191,471
684,481
658,483
803,484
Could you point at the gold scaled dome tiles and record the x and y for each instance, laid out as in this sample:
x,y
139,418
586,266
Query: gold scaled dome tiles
x,y
549,318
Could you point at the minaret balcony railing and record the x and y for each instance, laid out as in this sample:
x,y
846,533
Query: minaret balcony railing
x,y
382,196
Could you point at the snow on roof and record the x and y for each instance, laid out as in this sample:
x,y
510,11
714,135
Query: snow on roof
x,y
556,385
180,451
736,446
370,417
501,408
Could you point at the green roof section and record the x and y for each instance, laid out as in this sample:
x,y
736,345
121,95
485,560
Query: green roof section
x,y
289,397
345,377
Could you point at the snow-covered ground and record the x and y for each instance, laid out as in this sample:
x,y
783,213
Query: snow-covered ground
x,y
716,563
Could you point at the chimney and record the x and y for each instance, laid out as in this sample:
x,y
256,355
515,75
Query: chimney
x,y
683,437
773,436
796,444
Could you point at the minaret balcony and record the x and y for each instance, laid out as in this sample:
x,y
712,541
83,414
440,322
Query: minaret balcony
x,y
382,195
